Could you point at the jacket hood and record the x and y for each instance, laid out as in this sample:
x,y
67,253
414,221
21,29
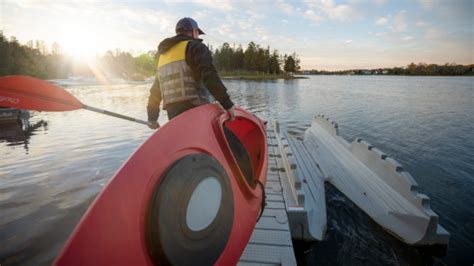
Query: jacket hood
x,y
167,43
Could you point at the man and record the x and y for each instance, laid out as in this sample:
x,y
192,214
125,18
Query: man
x,y
185,75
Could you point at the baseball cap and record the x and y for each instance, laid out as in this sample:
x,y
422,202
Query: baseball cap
x,y
187,24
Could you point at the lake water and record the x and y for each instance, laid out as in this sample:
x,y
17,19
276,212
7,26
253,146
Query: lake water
x,y
53,166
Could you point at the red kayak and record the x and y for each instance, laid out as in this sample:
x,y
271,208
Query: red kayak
x,y
190,195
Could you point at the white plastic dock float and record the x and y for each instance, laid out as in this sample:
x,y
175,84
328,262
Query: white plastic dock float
x,y
303,189
376,183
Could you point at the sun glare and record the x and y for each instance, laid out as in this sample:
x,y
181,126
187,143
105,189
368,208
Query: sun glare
x,y
79,42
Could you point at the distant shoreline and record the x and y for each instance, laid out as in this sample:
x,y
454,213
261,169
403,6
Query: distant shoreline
x,y
395,75
257,76
420,69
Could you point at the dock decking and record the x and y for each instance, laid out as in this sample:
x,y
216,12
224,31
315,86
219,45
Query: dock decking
x,y
270,243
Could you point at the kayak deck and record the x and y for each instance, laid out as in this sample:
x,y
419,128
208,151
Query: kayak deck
x,y
270,242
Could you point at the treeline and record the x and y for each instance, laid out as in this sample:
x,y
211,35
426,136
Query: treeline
x,y
124,65
423,69
420,69
34,59
254,59
17,59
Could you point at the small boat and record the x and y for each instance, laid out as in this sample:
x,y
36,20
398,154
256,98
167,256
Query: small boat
x,y
189,195
9,115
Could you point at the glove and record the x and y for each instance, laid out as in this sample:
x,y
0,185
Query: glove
x,y
231,112
153,124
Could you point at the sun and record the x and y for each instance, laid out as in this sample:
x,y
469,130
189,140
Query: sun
x,y
79,41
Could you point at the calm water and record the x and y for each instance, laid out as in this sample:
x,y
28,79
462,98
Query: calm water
x,y
53,166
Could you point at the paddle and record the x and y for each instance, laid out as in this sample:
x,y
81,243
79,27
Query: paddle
x,y
23,92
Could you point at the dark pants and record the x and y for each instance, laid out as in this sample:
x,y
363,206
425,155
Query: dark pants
x,y
175,109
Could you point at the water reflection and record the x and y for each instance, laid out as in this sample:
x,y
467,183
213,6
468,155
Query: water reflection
x,y
19,133
353,238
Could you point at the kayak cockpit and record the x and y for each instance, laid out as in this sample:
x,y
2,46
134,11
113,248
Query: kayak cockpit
x,y
247,143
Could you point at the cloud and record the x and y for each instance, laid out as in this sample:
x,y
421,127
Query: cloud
x,y
458,10
399,21
339,12
252,15
199,15
381,21
286,7
28,3
421,23
111,25
379,2
282,24
244,24
225,5
128,14
225,30
158,19
433,33
242,27
309,14
262,33
427,4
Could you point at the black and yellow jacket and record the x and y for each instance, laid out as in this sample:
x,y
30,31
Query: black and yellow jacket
x,y
199,59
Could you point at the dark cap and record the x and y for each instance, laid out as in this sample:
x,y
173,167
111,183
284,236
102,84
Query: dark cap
x,y
187,24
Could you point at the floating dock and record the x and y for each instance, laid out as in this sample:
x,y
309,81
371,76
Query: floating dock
x,y
10,115
296,205
270,242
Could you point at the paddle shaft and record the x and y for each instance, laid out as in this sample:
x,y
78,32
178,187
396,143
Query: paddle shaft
x,y
105,112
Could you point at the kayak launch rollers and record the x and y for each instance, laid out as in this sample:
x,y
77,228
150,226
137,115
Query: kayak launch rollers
x,y
187,196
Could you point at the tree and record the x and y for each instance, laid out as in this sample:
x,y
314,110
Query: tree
x,y
291,63
260,59
274,63
55,48
226,55
41,47
254,58
249,57
267,59
411,69
238,59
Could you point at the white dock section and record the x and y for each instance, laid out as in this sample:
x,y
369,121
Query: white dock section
x,y
270,243
376,183
304,189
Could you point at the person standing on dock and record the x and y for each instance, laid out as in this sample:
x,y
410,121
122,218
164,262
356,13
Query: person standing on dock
x,y
186,76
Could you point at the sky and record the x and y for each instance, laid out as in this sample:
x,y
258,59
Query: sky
x,y
325,34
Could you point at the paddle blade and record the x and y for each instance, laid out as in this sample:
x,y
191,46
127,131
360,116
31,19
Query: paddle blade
x,y
23,92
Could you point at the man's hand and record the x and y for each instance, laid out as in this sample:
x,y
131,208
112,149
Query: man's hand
x,y
231,112
153,124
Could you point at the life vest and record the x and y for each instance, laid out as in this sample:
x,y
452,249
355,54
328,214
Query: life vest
x,y
177,82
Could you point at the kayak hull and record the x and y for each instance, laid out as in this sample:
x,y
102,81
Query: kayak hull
x,y
119,228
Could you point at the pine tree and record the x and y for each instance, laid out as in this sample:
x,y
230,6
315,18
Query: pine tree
x,y
249,57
